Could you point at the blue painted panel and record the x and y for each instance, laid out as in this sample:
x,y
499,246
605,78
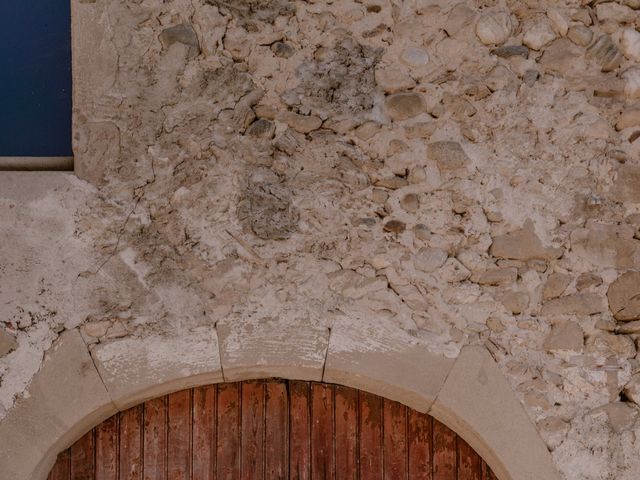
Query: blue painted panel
x,y
35,78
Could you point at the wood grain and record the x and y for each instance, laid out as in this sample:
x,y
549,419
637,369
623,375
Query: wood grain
x,y
271,430
346,425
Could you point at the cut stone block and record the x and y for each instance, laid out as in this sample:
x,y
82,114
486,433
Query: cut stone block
x,y
389,363
137,369
252,349
477,402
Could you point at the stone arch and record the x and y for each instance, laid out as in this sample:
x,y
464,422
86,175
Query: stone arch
x,y
78,387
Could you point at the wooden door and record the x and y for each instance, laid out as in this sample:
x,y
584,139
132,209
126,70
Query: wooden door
x,y
271,430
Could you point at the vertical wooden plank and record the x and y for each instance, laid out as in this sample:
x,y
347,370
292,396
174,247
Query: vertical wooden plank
x,y
370,420
277,431
130,467
252,431
444,452
155,439
322,453
82,458
62,468
178,435
346,425
228,443
395,440
419,440
299,431
107,450
469,462
204,433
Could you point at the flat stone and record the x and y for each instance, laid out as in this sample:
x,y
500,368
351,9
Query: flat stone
x,y
478,403
300,123
581,304
8,342
555,285
620,415
611,11
523,244
610,245
453,271
565,337
265,348
137,369
508,51
496,276
394,79
630,44
588,280
626,187
609,344
448,155
394,226
351,284
65,399
494,28
385,361
624,297
402,106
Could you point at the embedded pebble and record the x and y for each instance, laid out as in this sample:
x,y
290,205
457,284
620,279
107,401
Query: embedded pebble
x,y
580,35
628,118
282,50
631,79
507,51
614,12
605,53
624,297
410,202
539,35
559,22
448,155
394,226
402,106
630,44
414,57
494,28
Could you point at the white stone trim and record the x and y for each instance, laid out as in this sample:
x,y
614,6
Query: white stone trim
x,y
72,393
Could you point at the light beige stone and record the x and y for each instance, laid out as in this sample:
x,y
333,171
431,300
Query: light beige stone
x,y
632,389
523,244
477,402
555,285
612,11
565,337
448,155
580,35
494,28
496,276
630,44
624,296
539,35
300,123
137,369
266,348
581,304
628,118
608,344
66,399
367,356
430,259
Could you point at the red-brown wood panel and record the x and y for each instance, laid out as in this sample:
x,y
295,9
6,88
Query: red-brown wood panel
x,y
395,440
444,452
228,443
277,431
299,431
322,453
469,462
179,435
82,466
130,448
62,469
370,419
419,442
346,432
107,450
154,446
271,430
252,433
203,462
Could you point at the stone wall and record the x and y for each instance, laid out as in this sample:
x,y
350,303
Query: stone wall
x,y
468,173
